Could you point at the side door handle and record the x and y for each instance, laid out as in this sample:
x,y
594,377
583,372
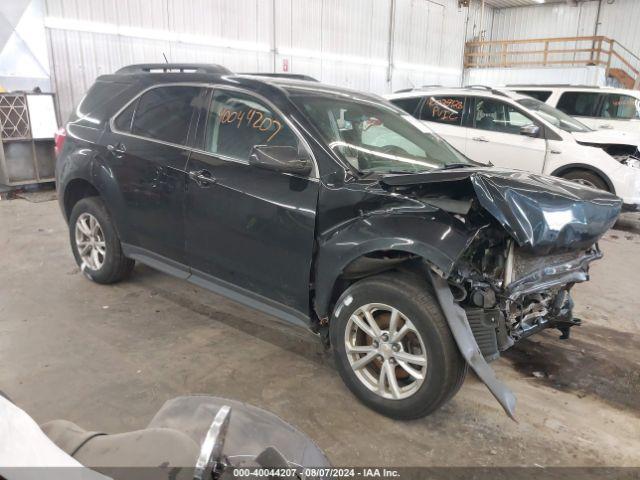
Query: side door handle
x,y
117,149
203,178
606,127
480,139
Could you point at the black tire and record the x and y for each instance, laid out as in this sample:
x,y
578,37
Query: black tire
x,y
588,178
414,297
115,266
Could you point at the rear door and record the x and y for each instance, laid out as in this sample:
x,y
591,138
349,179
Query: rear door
x,y
444,114
249,231
147,150
494,136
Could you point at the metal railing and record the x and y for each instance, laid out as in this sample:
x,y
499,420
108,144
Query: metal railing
x,y
619,62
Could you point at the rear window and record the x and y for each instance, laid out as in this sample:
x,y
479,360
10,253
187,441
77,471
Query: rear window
x,y
409,104
542,95
581,104
164,113
443,109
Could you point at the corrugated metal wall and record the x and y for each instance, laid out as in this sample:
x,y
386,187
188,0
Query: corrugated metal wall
x,y
340,42
553,20
618,19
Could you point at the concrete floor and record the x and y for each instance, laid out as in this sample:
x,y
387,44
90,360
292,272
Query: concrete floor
x,y
108,357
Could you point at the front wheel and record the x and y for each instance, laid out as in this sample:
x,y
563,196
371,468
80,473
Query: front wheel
x,y
587,178
95,243
393,347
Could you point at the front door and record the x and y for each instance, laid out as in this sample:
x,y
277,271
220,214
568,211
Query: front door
x,y
146,150
249,231
495,137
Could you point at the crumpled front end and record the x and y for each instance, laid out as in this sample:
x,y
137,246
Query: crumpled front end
x,y
535,239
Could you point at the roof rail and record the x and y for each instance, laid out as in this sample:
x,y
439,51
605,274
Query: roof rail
x,y
173,68
485,87
493,90
292,76
405,90
550,85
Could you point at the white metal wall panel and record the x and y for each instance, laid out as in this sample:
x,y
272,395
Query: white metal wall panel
x,y
497,77
337,41
427,43
478,21
553,20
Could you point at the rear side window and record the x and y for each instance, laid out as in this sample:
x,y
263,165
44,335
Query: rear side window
x,y
409,104
237,122
443,109
542,95
581,104
123,121
164,113
620,107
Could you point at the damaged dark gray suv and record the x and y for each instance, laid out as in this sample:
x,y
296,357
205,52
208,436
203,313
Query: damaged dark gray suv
x,y
330,209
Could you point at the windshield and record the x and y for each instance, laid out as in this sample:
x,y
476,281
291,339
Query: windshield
x,y
375,137
554,116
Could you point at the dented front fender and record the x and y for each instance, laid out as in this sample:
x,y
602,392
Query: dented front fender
x,y
435,236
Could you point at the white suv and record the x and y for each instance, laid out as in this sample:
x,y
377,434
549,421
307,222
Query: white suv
x,y
510,130
598,107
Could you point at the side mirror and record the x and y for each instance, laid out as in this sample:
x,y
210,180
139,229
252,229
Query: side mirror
x,y
280,159
530,130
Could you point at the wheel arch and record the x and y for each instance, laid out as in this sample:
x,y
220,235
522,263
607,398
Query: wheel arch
x,y
346,258
76,190
558,172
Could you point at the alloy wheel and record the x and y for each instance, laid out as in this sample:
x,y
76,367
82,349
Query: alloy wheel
x,y
385,351
90,241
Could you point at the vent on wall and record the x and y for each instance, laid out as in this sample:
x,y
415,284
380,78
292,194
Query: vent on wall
x,y
14,116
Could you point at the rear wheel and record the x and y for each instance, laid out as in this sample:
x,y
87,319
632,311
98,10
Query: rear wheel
x,y
587,178
95,242
393,347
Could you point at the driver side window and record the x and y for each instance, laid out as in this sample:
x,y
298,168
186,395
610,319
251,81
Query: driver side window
x,y
497,116
237,122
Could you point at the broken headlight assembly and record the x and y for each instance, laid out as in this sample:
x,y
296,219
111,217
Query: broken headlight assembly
x,y
633,162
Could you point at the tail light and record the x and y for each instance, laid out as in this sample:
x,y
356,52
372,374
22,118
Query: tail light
x,y
59,138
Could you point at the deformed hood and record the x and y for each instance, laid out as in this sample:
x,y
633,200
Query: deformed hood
x,y
541,213
608,137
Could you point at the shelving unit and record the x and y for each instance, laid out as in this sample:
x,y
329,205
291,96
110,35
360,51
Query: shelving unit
x,y
27,127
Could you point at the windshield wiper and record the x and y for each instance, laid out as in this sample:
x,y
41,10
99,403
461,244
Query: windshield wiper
x,y
450,166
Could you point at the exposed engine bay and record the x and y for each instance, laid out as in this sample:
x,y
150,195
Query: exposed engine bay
x,y
509,294
621,152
